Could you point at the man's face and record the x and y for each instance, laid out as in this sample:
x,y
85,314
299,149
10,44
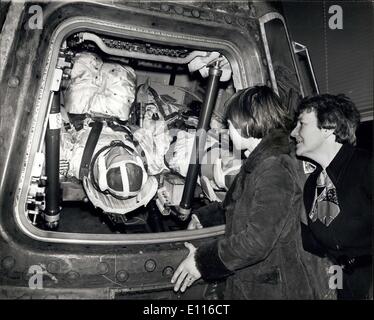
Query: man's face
x,y
240,142
309,138
237,139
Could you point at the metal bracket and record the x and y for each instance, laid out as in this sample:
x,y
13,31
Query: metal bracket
x,y
298,47
56,80
38,165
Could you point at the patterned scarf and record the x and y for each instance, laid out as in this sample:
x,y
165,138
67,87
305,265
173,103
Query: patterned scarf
x,y
325,204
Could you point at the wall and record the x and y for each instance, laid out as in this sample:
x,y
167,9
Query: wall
x,y
342,59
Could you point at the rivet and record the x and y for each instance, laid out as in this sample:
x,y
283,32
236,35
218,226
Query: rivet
x,y
257,37
8,262
241,21
165,7
13,82
122,276
228,19
150,265
168,272
53,267
264,62
178,9
195,13
102,268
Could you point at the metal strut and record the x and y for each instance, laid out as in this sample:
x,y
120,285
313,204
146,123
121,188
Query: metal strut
x,y
52,150
198,148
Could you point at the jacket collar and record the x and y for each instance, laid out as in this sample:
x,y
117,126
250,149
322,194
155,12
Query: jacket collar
x,y
275,143
337,165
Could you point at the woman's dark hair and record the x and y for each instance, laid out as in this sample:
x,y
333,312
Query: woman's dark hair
x,y
255,111
336,112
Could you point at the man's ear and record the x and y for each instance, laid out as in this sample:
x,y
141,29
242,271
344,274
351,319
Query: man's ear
x,y
327,132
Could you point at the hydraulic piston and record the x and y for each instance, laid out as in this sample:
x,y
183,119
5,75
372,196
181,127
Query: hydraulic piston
x,y
198,148
52,149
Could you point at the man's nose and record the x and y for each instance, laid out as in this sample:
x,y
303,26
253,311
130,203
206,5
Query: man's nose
x,y
295,132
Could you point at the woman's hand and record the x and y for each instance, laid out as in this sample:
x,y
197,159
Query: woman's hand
x,y
186,273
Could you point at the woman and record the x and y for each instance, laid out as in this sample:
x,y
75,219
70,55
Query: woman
x,y
260,252
338,194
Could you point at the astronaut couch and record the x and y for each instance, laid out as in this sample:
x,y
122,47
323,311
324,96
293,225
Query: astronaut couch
x,y
125,157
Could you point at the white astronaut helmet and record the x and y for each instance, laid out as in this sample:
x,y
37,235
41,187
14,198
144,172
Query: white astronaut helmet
x,y
118,169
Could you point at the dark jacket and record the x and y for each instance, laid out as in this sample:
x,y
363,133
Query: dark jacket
x,y
350,233
347,240
261,249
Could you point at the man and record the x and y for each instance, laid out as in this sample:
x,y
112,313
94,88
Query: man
x,y
337,195
260,253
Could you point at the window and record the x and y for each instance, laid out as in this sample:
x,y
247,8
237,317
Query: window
x,y
283,73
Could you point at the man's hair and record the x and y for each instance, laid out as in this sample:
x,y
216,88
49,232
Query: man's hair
x,y
336,112
255,111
